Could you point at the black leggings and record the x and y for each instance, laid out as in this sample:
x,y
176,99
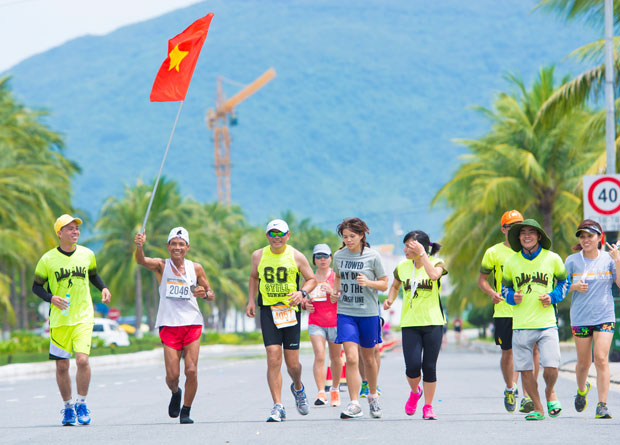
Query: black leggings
x,y
415,339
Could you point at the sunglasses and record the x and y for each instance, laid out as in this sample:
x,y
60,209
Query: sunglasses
x,y
321,256
507,226
274,234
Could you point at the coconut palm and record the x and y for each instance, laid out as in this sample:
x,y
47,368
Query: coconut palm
x,y
589,83
35,185
533,165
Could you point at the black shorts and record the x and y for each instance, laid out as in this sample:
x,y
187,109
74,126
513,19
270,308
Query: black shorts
x,y
288,338
503,332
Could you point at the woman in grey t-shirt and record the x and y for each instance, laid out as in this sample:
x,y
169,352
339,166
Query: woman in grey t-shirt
x,y
592,272
359,275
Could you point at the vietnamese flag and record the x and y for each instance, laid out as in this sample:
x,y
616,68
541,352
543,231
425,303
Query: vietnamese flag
x,y
175,74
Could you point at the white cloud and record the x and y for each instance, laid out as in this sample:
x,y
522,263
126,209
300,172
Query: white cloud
x,y
29,27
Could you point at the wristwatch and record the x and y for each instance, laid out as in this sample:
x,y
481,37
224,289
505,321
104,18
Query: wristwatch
x,y
304,293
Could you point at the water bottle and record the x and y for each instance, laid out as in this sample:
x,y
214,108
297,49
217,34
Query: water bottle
x,y
66,311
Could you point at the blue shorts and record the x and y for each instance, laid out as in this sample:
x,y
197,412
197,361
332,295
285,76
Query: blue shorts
x,y
365,331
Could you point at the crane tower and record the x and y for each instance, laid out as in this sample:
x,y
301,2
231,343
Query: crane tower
x,y
218,120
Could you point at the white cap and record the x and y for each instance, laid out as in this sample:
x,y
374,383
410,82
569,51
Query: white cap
x,y
277,224
179,232
322,248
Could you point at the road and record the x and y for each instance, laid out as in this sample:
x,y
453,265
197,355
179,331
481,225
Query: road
x,y
129,404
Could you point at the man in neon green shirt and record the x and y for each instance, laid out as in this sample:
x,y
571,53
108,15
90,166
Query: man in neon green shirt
x,y
62,278
493,264
534,280
277,270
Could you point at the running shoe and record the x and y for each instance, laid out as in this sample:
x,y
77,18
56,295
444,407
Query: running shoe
x,y
364,389
428,413
602,412
509,399
301,400
527,405
321,399
334,396
68,417
278,413
352,411
174,407
82,413
412,402
184,417
375,409
581,399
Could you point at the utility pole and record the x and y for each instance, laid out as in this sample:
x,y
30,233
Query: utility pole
x,y
610,124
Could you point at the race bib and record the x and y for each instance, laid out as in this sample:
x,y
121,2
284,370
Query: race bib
x,y
283,316
178,289
318,294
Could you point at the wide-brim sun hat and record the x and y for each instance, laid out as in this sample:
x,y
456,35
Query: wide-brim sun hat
x,y
515,230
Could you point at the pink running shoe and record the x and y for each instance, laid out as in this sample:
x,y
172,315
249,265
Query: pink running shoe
x,y
412,402
428,413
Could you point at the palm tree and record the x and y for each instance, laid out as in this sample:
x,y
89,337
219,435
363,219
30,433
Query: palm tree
x,y
530,164
588,84
35,185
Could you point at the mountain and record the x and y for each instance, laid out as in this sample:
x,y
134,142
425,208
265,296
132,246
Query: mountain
x,y
358,122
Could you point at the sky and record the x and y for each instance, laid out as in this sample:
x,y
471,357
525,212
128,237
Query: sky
x,y
29,27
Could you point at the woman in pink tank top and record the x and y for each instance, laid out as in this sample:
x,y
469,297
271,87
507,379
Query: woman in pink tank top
x,y
322,326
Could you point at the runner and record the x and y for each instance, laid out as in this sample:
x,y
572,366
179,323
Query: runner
x,y
493,263
359,275
592,314
528,285
60,278
422,317
179,319
275,277
322,326
457,323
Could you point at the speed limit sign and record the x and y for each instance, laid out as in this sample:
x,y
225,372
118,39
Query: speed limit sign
x,y
601,200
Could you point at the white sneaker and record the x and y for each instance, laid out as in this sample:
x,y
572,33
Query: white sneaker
x,y
352,411
278,413
375,409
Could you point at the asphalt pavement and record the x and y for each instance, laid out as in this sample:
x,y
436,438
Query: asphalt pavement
x,y
128,401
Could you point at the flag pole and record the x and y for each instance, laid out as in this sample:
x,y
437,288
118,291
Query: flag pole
x,y
163,161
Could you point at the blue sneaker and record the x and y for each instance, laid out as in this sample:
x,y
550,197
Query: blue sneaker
x,y
82,413
364,389
68,416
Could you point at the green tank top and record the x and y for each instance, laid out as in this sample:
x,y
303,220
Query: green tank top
x,y
493,263
424,307
277,276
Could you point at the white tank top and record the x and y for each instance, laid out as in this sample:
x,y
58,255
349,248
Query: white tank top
x,y
177,304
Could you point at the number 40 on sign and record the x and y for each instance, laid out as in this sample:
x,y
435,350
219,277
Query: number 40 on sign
x,y
601,200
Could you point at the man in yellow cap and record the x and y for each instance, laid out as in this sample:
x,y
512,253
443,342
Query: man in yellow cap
x,y
62,278
493,263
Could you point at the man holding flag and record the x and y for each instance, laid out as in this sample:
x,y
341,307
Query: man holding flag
x,y
179,318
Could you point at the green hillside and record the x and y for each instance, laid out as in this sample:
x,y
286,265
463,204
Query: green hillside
x,y
358,122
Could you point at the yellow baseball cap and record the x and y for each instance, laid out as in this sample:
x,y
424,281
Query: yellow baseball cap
x,y
65,219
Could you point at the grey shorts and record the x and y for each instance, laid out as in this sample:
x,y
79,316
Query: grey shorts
x,y
523,341
328,333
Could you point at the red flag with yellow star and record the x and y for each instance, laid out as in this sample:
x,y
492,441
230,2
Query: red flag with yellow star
x,y
175,74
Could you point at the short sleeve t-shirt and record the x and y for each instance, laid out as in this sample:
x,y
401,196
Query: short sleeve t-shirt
x,y
61,275
596,305
533,278
423,308
493,264
324,314
356,300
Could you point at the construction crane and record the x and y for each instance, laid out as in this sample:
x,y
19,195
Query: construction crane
x,y
218,120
